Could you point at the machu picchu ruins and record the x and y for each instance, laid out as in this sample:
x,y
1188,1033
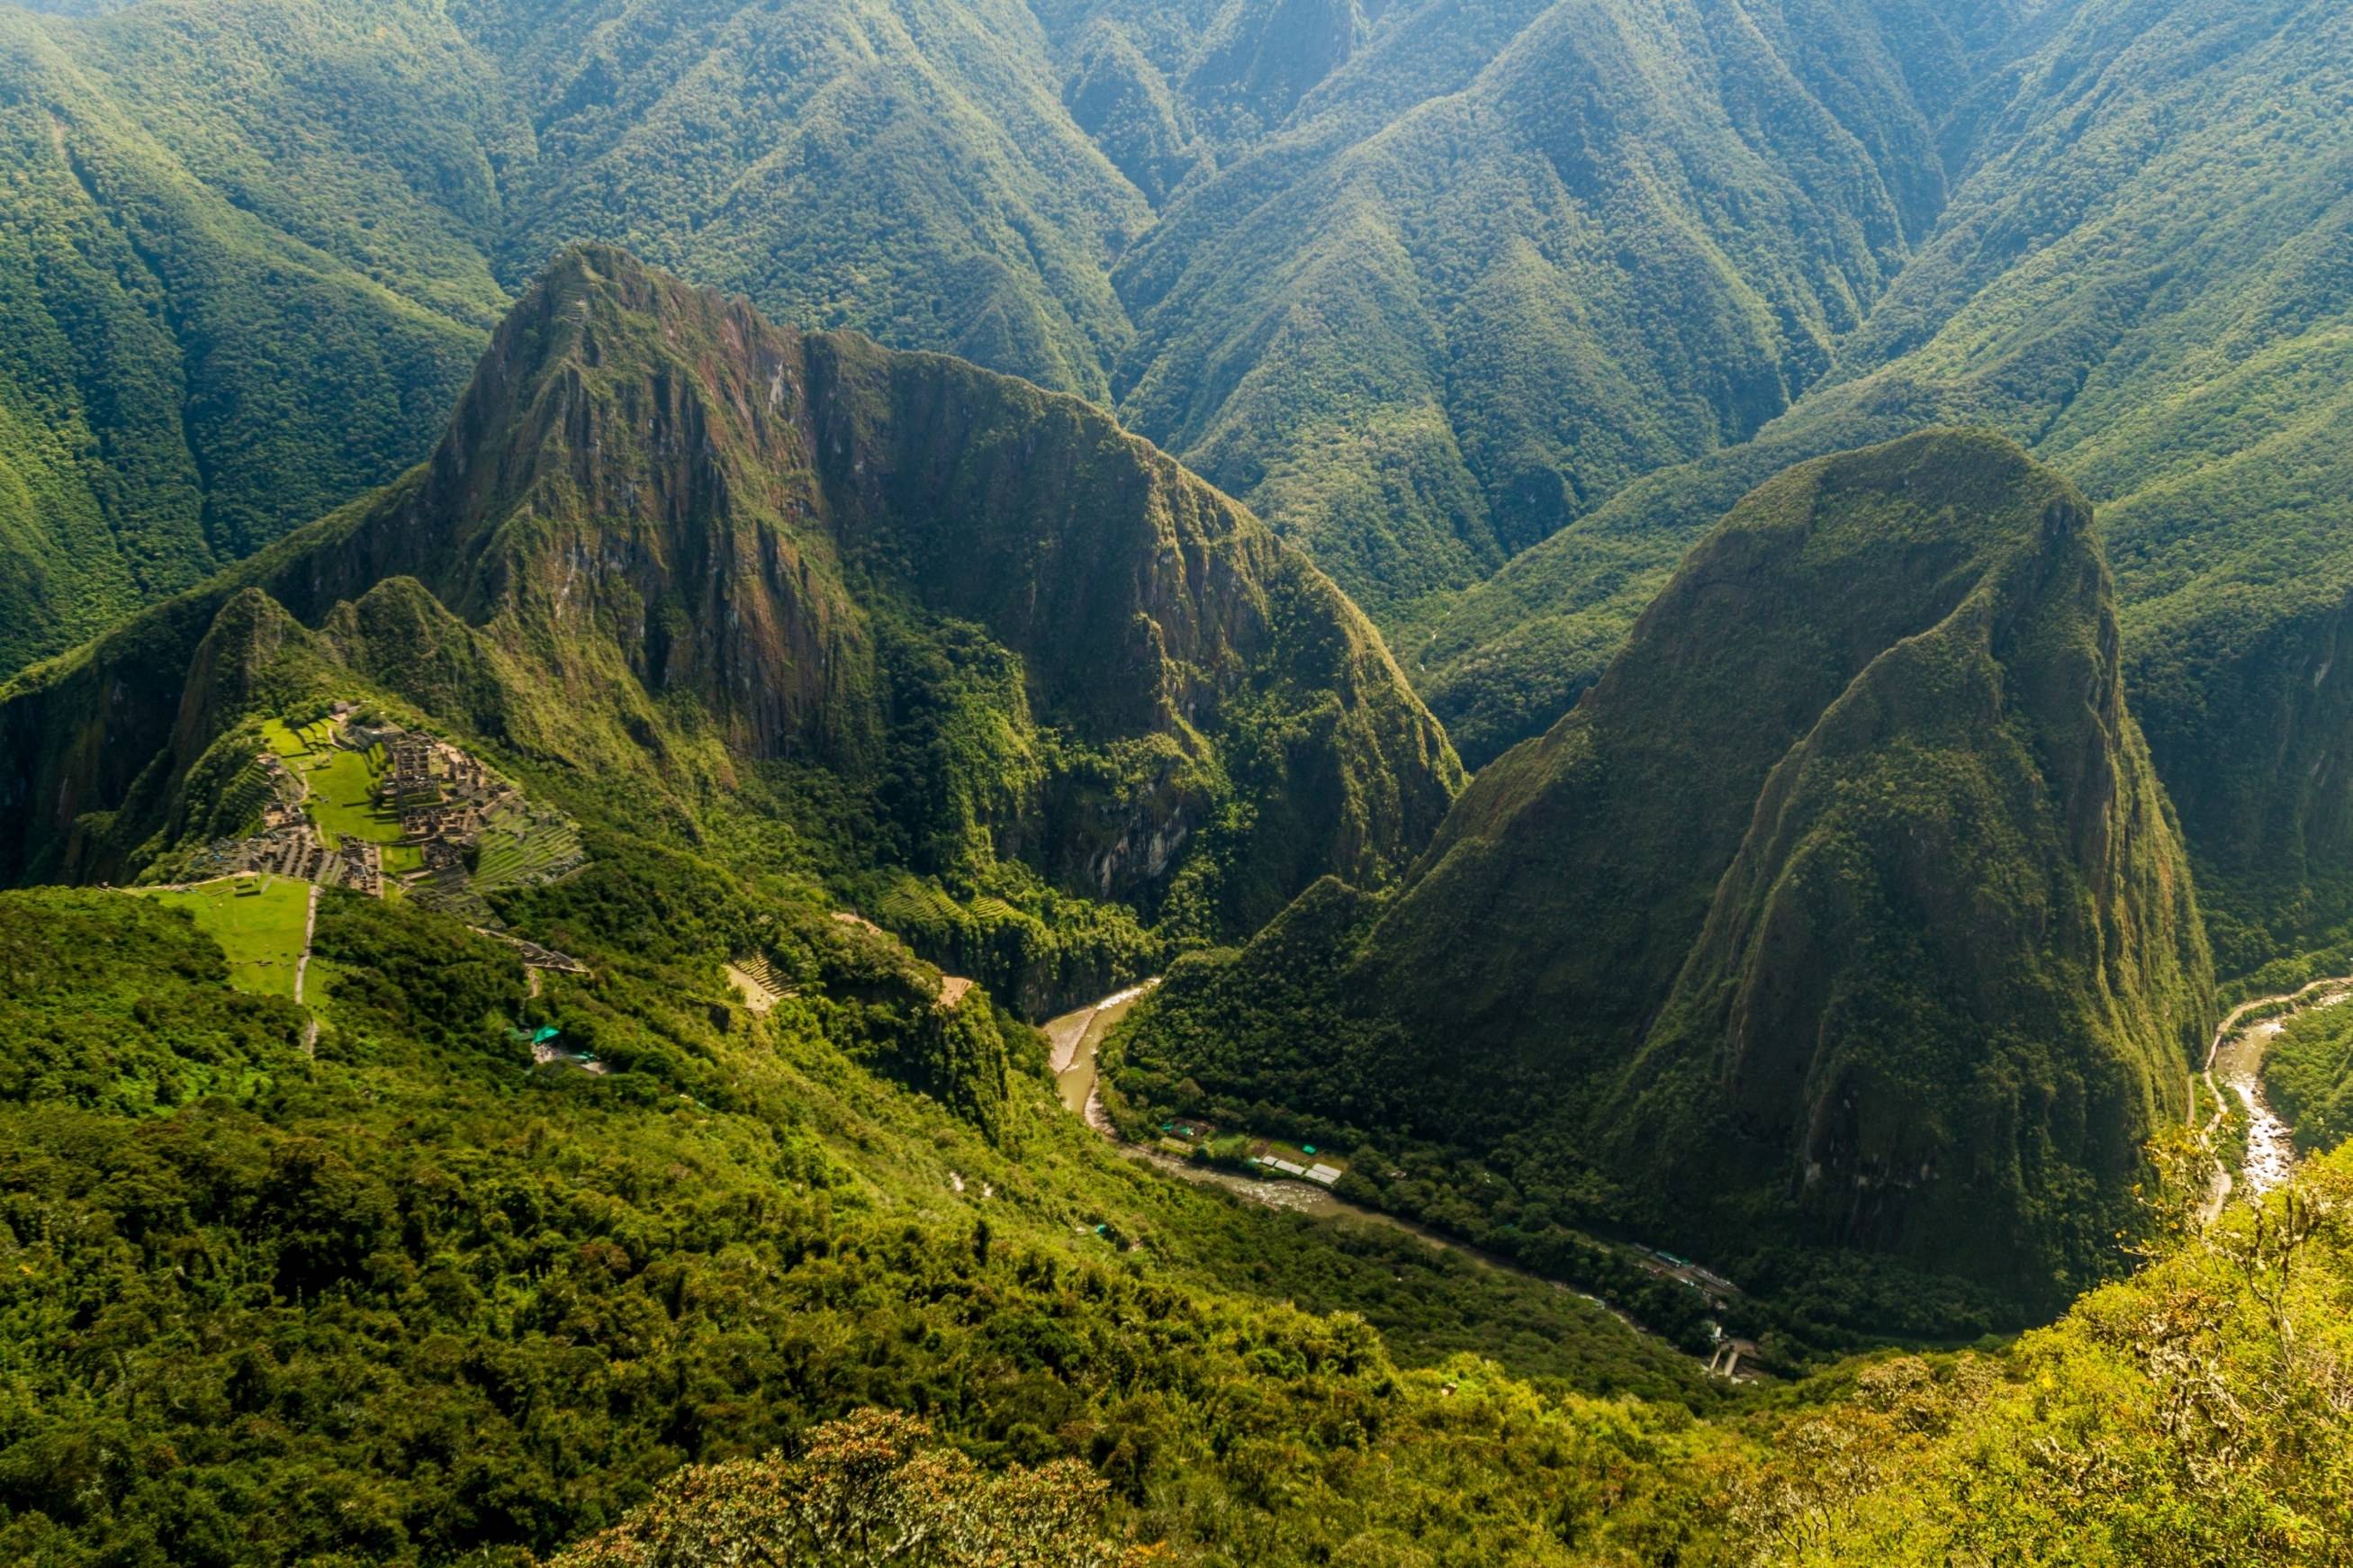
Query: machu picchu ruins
x,y
352,800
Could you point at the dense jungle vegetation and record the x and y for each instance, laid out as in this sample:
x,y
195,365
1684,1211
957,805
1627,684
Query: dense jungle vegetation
x,y
413,1299
1860,482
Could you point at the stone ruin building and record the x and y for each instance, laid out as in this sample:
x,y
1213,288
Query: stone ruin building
x,y
443,799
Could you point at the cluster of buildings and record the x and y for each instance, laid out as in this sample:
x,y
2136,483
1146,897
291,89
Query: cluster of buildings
x,y
1318,1173
294,849
434,799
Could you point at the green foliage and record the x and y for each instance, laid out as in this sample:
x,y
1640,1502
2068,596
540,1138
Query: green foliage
x,y
2196,1413
239,287
906,171
1792,934
418,1300
2110,286
416,971
876,1489
1504,260
2308,1075
415,1300
251,249
125,1006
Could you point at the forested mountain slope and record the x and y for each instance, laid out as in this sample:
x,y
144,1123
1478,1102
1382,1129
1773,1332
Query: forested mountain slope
x,y
1845,910
1424,283
398,1296
908,617
1510,256
2143,278
242,276
404,1298
904,169
1246,225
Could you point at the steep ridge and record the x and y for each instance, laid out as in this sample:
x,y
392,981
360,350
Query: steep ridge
x,y
696,562
907,170
1505,260
1844,910
254,247
224,308
2108,287
223,198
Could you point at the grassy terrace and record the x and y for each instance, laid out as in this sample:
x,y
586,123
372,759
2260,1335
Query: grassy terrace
x,y
342,800
515,850
292,743
257,922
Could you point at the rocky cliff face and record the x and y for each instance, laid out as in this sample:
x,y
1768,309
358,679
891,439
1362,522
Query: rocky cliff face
x,y
669,543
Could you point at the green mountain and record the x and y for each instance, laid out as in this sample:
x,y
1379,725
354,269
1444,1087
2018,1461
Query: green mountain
x,y
2091,293
904,169
252,250
1844,911
1422,282
1013,673
1508,257
572,787
240,281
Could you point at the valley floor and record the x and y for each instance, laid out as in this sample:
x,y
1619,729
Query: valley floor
x,y
2234,1069
1075,1037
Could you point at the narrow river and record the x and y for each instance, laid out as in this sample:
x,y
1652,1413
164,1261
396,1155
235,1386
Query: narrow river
x,y
2234,1067
1073,1040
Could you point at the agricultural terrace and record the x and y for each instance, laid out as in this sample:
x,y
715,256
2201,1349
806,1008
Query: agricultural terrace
x,y
296,744
519,848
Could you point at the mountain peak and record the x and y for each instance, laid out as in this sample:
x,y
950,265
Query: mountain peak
x,y
667,541
1855,829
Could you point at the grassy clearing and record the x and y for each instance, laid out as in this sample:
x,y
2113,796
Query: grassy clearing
x,y
343,801
261,932
293,743
400,860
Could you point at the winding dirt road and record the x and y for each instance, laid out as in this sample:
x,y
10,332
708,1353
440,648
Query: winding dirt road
x,y
1075,1036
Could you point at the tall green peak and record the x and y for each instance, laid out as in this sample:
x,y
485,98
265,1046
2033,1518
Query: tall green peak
x,y
2138,276
1845,910
694,562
